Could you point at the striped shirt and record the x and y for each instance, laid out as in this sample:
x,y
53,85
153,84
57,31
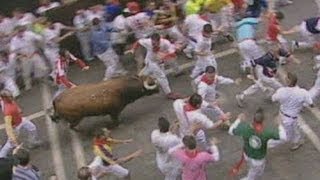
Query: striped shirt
x,y
26,173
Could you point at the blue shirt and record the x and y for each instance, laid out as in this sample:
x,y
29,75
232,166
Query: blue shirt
x,y
246,28
100,38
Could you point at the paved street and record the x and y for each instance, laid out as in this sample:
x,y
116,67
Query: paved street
x,y
140,118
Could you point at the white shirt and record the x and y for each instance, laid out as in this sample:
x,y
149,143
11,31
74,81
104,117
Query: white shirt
x,y
51,34
203,44
165,47
80,21
119,23
194,24
10,66
6,26
291,99
43,9
25,45
26,20
163,142
187,119
140,24
208,91
94,14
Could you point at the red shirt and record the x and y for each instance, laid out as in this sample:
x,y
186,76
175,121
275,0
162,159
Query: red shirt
x,y
13,110
273,29
61,68
238,4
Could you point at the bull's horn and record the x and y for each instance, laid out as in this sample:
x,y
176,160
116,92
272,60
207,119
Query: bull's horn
x,y
148,87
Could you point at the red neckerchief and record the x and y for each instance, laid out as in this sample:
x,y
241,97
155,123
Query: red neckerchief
x,y
156,49
204,17
258,127
188,107
100,141
206,80
191,155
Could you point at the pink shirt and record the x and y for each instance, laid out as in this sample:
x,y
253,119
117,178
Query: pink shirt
x,y
194,168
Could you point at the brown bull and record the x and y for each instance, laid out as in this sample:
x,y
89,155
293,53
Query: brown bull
x,y
104,98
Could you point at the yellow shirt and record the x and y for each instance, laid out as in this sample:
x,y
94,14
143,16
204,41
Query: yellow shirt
x,y
193,6
216,5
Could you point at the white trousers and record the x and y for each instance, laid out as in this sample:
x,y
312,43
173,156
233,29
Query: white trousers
x,y
153,70
179,38
34,64
171,170
315,90
292,130
112,62
249,50
84,40
202,63
201,139
52,55
10,85
98,168
28,126
263,83
266,84
256,168
309,39
172,64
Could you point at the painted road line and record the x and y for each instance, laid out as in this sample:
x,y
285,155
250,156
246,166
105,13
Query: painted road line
x,y
53,137
310,133
77,149
31,117
318,4
192,63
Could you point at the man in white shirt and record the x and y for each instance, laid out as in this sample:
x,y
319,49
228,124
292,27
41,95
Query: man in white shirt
x,y
119,38
315,89
24,45
6,30
206,88
138,22
83,25
52,37
193,25
95,12
159,50
264,76
203,52
8,73
163,140
292,99
189,114
22,18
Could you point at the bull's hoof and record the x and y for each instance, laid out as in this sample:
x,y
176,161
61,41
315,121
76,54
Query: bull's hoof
x,y
113,125
54,118
74,128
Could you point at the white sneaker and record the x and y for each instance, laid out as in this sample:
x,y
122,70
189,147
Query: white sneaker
x,y
188,54
294,45
239,99
296,146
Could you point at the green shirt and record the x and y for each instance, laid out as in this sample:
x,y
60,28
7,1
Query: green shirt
x,y
255,144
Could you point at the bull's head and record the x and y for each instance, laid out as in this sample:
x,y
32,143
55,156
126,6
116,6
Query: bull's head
x,y
150,85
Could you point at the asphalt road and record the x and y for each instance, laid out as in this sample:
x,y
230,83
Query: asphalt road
x,y
140,118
